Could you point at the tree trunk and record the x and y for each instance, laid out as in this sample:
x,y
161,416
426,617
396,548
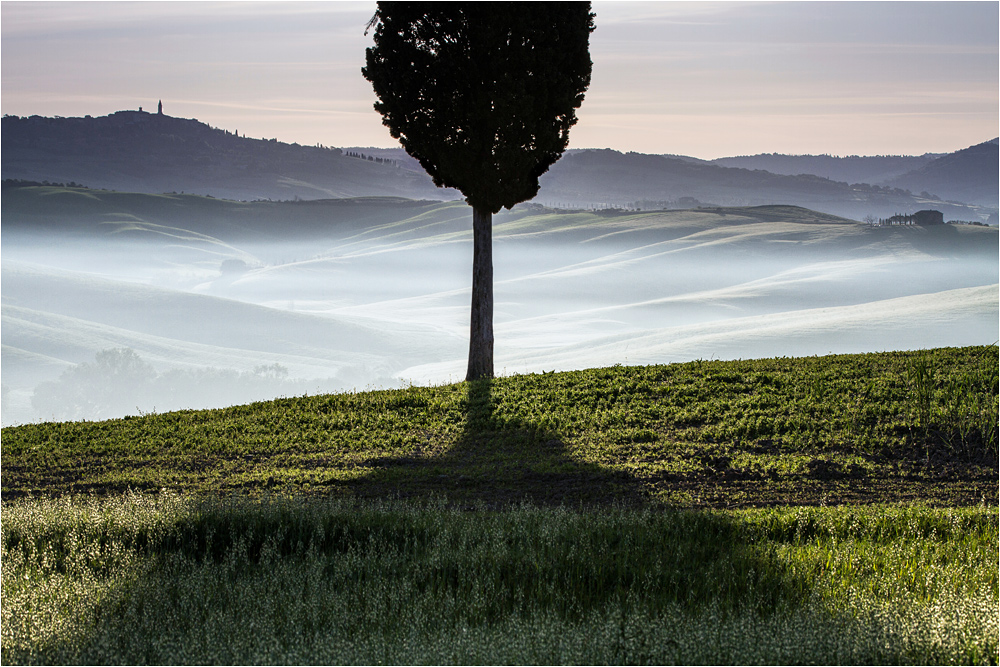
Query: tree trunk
x,y
481,329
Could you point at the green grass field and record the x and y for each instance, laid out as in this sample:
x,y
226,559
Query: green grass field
x,y
834,509
901,426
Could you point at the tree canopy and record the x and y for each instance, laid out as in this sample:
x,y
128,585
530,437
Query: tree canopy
x,y
482,94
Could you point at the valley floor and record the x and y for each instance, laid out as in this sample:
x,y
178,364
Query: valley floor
x,y
227,302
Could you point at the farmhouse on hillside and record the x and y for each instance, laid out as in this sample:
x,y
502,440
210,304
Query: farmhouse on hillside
x,y
919,218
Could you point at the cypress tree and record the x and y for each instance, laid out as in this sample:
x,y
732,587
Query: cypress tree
x,y
482,95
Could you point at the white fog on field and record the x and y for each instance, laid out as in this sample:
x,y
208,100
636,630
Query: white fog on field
x,y
105,319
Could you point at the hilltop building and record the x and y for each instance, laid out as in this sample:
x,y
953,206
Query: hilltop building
x,y
159,108
928,218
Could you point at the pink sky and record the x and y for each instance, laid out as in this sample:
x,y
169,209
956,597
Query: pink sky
x,y
704,79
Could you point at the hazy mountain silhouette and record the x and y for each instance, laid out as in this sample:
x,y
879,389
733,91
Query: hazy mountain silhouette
x,y
621,177
875,169
969,175
136,151
655,181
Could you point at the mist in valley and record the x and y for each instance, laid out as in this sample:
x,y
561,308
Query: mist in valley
x,y
215,303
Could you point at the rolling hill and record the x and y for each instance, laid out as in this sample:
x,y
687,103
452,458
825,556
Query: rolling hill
x,y
152,153
135,151
345,294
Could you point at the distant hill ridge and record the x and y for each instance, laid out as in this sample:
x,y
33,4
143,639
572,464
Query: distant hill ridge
x,y
138,151
875,170
969,175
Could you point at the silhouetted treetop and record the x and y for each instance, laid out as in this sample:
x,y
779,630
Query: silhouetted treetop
x,y
482,94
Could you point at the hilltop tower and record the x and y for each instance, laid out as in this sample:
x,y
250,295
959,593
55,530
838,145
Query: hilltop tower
x,y
159,108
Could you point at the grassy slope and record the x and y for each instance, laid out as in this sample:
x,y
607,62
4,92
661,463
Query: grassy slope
x,y
824,430
172,580
307,558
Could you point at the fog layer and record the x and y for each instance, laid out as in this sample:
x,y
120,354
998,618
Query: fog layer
x,y
201,311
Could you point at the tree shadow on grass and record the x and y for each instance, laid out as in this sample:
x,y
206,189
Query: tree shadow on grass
x,y
498,461
209,556
565,567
